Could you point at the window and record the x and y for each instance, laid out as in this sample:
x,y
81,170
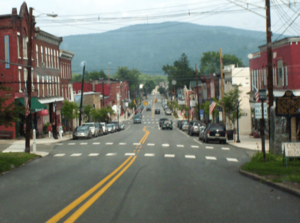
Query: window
x,y
51,58
258,78
37,55
58,86
274,77
53,86
66,92
32,86
42,56
74,92
79,91
265,76
43,86
47,85
38,84
25,40
25,78
57,59
54,58
286,75
280,74
20,84
251,79
18,46
46,57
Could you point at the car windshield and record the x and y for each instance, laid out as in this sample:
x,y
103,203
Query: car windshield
x,y
110,125
89,124
82,128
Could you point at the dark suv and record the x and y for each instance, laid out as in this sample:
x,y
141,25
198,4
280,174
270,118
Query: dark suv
x,y
215,132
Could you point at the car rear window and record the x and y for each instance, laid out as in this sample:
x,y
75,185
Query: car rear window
x,y
217,127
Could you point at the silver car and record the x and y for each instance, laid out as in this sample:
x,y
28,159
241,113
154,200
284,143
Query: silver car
x,y
92,125
185,126
104,126
110,128
82,132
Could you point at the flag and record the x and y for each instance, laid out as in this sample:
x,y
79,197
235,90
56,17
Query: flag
x,y
212,107
26,104
108,114
256,95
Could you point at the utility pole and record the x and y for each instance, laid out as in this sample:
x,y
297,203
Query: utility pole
x,y
197,92
269,58
222,85
81,99
29,52
103,92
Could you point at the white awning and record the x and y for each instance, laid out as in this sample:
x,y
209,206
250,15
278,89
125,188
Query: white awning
x,y
50,100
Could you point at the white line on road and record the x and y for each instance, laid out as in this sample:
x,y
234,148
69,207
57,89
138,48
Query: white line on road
x,y
183,132
122,143
193,146
111,154
94,154
180,145
209,147
150,144
165,145
170,155
129,154
59,144
211,158
190,156
149,154
109,143
136,144
225,148
197,141
71,143
96,143
76,154
60,154
232,160
83,143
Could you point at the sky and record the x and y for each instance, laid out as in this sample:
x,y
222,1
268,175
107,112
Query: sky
x,y
95,16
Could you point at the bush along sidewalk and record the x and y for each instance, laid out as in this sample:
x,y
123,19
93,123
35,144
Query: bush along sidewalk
x,y
275,169
9,161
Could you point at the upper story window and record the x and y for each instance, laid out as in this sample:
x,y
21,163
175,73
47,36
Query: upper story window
x,y
37,55
42,56
18,45
25,40
46,57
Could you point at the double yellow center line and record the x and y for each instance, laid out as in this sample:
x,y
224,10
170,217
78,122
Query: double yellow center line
x,y
115,174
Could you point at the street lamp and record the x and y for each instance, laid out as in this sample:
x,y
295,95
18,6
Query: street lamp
x,y
237,118
54,130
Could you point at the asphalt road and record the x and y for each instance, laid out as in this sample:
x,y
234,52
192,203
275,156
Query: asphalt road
x,y
141,174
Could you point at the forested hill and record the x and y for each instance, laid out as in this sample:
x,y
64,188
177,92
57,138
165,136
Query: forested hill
x,y
148,47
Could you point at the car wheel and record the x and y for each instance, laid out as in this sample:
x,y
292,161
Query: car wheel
x,y
74,138
171,128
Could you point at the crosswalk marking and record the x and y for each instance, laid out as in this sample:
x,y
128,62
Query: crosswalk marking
x,y
194,146
232,159
83,143
129,154
96,143
122,143
180,145
149,154
150,144
71,143
94,154
109,143
111,154
190,156
170,155
211,158
60,154
209,147
165,145
76,154
136,144
224,148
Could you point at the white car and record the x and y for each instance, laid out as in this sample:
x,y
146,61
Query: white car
x,y
104,126
92,125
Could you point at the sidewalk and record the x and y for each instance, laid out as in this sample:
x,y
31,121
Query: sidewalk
x,y
248,142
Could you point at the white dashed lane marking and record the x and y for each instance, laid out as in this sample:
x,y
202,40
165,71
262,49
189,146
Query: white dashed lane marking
x,y
170,155
194,146
149,154
59,154
129,154
165,145
180,145
150,144
94,154
209,147
136,144
211,158
111,154
96,143
83,143
76,154
224,148
122,143
190,156
109,143
232,160
60,144
71,143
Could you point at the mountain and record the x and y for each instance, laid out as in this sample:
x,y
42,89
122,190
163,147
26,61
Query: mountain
x,y
148,47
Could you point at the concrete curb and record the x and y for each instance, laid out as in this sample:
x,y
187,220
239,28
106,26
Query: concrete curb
x,y
280,186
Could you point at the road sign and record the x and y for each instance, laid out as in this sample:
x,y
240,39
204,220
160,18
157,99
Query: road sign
x,y
145,103
258,111
262,94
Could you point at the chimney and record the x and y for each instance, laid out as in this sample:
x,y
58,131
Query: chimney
x,y
14,11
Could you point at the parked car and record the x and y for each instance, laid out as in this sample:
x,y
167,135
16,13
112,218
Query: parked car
x,y
168,111
167,124
201,132
110,128
104,127
185,126
194,127
100,129
116,125
82,132
122,126
181,123
157,111
137,118
148,108
161,121
215,132
93,128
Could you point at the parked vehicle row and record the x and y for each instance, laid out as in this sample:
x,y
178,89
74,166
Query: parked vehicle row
x,y
89,130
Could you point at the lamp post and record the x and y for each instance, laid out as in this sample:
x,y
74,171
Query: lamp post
x,y
237,119
55,125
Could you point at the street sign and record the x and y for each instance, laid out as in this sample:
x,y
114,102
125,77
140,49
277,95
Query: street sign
x,y
258,111
288,105
262,94
145,103
173,82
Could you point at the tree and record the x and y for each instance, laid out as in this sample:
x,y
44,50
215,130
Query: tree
x,y
210,62
70,110
76,77
149,86
229,101
9,111
180,72
87,110
94,75
162,90
205,107
101,115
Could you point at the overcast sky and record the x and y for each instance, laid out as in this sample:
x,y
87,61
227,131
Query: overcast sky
x,y
95,16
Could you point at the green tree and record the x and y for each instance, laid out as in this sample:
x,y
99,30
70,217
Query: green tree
x,y
101,115
149,86
210,62
94,75
180,72
76,77
87,110
230,104
9,111
70,110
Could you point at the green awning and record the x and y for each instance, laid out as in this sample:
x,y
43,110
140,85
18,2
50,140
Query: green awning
x,y
36,106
